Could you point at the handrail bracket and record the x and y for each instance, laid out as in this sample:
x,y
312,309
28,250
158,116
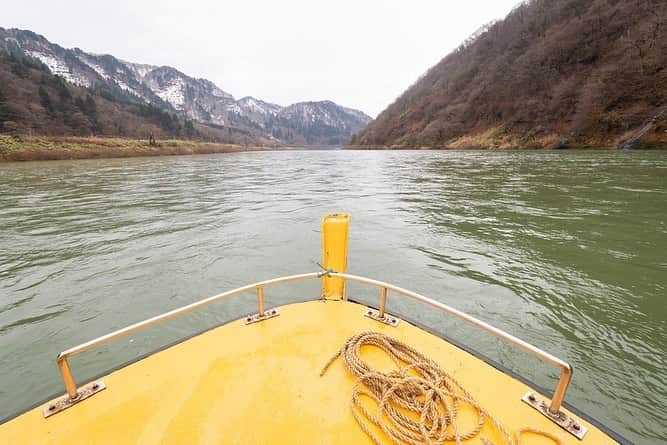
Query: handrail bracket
x,y
82,393
255,318
559,418
386,319
380,314
262,314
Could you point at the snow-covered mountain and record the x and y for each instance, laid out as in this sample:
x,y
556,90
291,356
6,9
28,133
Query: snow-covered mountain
x,y
308,123
324,113
255,110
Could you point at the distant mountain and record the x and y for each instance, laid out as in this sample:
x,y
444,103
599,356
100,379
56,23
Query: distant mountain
x,y
552,73
189,99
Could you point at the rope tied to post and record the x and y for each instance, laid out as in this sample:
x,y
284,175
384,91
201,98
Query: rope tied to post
x,y
419,403
325,272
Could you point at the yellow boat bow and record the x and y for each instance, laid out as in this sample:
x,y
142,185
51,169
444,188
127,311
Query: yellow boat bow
x,y
258,380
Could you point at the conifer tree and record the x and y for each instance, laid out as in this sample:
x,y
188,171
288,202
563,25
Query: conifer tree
x,y
45,99
5,112
91,107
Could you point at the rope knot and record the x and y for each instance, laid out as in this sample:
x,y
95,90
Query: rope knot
x,y
325,272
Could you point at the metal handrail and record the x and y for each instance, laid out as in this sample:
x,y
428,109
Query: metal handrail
x,y
556,400
66,373
565,367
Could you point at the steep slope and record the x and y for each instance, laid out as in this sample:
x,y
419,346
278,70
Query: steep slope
x,y
552,73
172,91
34,101
198,99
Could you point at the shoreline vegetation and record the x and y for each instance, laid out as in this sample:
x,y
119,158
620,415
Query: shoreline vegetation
x,y
47,148
50,148
500,139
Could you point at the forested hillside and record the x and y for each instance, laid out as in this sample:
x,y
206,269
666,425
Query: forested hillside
x,y
552,73
34,101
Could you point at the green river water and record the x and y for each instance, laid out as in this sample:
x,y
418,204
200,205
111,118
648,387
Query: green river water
x,y
565,249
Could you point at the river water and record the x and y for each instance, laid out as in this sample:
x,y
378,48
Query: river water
x,y
566,249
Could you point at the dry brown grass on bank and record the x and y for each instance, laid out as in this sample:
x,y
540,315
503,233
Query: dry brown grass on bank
x,y
24,148
498,138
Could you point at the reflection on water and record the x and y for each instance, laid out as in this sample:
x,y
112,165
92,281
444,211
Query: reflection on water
x,y
564,249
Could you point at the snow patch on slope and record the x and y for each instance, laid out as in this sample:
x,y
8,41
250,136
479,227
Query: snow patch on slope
x,y
361,116
59,68
235,108
140,70
172,93
255,106
95,67
217,92
125,87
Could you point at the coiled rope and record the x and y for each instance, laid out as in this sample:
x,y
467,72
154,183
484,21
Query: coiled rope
x,y
419,389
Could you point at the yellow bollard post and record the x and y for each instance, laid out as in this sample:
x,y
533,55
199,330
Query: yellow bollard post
x,y
335,230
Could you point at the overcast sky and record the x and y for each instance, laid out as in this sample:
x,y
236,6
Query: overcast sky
x,y
361,54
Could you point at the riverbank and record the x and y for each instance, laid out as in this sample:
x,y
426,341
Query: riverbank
x,y
500,139
31,148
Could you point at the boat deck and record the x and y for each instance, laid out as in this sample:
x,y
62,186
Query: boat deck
x,y
260,383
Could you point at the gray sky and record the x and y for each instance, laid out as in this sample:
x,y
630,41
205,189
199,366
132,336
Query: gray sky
x,y
361,54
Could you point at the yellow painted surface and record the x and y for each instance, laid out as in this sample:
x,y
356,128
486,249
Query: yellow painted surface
x,y
260,383
335,229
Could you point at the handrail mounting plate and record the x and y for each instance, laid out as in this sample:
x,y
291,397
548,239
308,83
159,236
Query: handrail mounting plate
x,y
561,419
64,403
389,319
255,318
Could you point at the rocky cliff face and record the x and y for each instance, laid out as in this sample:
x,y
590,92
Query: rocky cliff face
x,y
199,100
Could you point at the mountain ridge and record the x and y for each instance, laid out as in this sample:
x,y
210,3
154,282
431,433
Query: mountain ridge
x,y
194,99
